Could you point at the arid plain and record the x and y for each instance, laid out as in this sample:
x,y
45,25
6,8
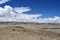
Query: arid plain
x,y
29,31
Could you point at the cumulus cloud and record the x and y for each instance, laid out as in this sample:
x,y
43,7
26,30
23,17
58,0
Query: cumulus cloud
x,y
3,1
14,14
55,19
9,13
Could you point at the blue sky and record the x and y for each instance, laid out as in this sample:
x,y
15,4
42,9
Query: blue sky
x,y
42,11
48,8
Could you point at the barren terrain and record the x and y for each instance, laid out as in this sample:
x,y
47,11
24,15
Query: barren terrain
x,y
29,31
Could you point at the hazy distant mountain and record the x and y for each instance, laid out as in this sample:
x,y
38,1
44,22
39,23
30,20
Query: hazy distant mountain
x,y
13,22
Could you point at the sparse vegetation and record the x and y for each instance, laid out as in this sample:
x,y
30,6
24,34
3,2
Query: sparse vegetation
x,y
28,32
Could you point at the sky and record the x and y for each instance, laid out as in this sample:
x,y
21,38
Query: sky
x,y
42,11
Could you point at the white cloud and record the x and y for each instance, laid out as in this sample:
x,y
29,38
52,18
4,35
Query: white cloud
x,y
3,1
21,9
55,19
9,13
27,17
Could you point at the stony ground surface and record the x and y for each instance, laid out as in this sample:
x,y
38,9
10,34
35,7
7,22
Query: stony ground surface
x,y
22,33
